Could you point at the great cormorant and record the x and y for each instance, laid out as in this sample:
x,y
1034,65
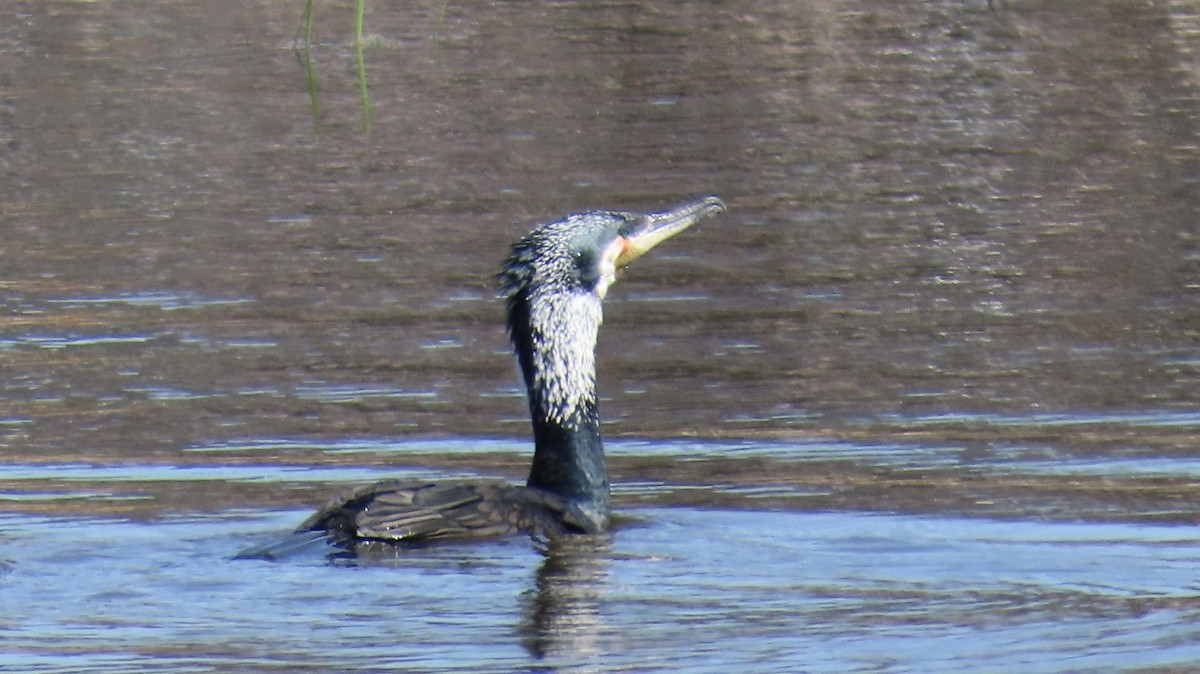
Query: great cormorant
x,y
553,281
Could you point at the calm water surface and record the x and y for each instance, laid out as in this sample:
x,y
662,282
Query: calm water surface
x,y
926,399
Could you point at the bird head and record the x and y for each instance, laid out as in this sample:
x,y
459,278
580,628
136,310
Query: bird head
x,y
582,252
554,281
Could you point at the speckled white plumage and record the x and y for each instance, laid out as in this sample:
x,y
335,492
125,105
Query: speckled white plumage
x,y
564,331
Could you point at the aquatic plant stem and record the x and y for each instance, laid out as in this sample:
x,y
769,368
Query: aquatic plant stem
x,y
304,54
310,81
364,94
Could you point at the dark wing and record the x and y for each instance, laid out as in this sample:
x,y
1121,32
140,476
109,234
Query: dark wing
x,y
406,511
412,512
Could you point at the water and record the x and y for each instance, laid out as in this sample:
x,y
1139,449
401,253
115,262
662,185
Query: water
x,y
925,399
775,591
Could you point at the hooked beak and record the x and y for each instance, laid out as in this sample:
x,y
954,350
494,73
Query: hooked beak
x,y
658,227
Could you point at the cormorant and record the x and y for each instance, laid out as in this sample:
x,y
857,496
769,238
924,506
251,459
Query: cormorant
x,y
553,281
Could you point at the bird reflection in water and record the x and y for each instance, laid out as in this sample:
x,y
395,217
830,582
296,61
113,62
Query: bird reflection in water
x,y
564,621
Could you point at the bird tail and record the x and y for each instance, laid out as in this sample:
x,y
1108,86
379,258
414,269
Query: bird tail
x,y
291,544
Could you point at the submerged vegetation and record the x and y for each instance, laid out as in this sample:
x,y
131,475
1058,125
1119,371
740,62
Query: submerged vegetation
x,y
303,46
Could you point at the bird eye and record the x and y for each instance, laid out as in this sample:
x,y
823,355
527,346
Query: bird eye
x,y
625,230
584,261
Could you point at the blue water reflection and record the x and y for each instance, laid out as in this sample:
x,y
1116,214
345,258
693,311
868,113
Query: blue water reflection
x,y
771,591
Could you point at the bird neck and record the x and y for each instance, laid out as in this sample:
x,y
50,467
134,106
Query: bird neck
x,y
554,336
569,461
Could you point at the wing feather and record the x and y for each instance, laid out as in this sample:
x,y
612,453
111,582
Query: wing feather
x,y
409,512
404,511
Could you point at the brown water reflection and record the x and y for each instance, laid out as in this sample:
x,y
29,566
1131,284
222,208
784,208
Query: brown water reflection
x,y
934,210
960,274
